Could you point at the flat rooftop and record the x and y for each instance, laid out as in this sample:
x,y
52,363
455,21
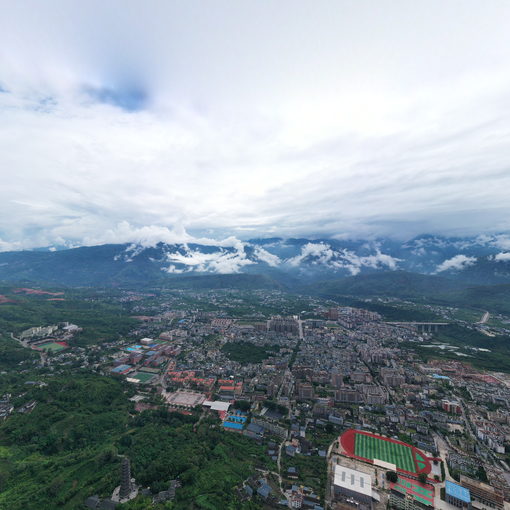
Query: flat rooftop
x,y
217,405
354,480
185,398
458,492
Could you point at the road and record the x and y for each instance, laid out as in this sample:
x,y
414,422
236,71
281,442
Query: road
x,y
279,465
443,453
330,460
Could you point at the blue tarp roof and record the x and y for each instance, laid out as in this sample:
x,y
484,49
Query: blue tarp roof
x,y
458,492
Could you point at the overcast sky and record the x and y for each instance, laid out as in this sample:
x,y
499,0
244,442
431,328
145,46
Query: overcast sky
x,y
248,118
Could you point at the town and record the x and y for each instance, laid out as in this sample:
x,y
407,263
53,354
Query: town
x,y
348,415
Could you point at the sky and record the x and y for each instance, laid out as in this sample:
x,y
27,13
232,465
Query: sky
x,y
178,120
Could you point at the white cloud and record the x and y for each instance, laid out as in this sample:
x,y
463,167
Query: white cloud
x,y
502,257
320,251
230,258
9,246
456,263
501,241
269,258
174,270
223,262
323,254
239,119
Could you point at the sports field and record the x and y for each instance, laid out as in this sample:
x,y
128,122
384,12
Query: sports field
x,y
143,377
424,493
53,346
367,447
371,447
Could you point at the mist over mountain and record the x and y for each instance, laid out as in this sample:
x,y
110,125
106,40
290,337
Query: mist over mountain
x,y
481,260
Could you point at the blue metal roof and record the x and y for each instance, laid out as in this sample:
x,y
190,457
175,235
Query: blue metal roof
x,y
230,425
264,490
121,368
458,492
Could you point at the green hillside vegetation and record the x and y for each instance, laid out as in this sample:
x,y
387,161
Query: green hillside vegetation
x,y
209,462
222,281
416,287
100,266
12,353
67,449
498,359
388,283
62,451
495,298
100,321
247,352
84,266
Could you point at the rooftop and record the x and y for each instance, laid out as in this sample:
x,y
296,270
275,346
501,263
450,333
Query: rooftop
x,y
458,492
353,480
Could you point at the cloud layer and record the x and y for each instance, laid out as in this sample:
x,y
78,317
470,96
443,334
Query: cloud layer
x,y
322,254
456,263
125,122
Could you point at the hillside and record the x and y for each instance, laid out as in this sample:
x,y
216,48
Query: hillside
x,y
491,297
400,284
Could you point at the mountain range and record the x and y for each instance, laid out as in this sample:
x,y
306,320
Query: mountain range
x,y
266,262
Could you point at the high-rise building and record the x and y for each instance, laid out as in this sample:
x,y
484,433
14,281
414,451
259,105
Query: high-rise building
x,y
305,391
332,314
281,325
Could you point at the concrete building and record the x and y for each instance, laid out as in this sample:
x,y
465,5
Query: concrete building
x,y
281,325
451,406
348,395
457,495
482,493
352,487
305,391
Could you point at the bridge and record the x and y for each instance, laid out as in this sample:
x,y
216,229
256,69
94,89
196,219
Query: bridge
x,y
428,327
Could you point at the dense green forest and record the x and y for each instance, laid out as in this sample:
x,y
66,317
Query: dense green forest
x,y
388,283
247,352
100,321
11,353
67,449
416,287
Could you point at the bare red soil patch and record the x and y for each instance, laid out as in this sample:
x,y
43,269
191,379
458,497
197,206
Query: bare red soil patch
x,y
37,292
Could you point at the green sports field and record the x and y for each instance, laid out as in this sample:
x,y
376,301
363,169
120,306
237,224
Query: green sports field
x,y
370,447
422,493
52,346
143,377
